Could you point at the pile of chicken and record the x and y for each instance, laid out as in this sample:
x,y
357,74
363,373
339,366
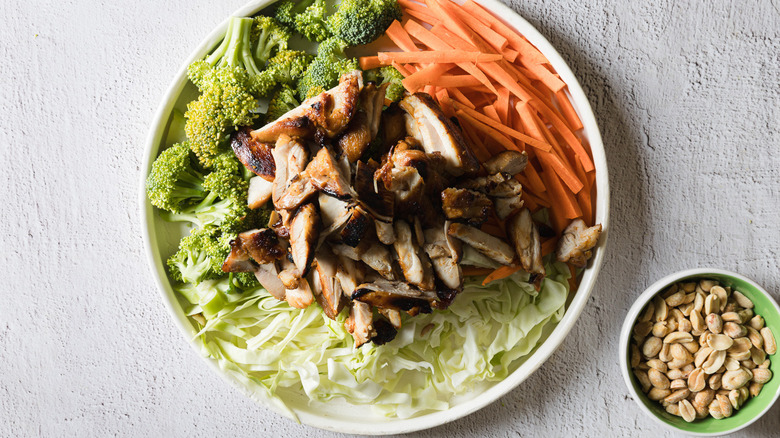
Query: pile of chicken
x,y
347,230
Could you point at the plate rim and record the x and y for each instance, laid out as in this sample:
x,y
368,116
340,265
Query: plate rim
x,y
395,426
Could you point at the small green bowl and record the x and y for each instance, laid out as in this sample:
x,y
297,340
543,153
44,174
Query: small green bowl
x,y
755,407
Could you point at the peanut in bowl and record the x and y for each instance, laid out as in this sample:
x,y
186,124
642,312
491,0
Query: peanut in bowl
x,y
739,378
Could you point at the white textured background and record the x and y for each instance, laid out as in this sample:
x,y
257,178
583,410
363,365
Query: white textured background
x,y
687,96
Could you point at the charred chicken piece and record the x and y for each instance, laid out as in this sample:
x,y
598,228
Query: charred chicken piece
x,y
329,296
260,246
328,113
238,260
465,205
356,138
393,316
356,227
396,295
576,243
507,162
372,194
300,297
415,266
268,276
332,110
253,154
260,192
428,124
524,235
483,242
326,175
348,274
445,261
291,186
359,323
304,230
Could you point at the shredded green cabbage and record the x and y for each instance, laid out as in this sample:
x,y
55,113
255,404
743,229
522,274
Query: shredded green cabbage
x,y
268,345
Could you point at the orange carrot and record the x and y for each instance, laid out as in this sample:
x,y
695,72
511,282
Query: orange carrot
x,y
369,62
510,55
423,16
495,40
528,52
436,56
479,149
402,69
560,196
500,75
534,180
552,82
443,97
500,273
400,37
424,76
491,112
505,129
429,39
549,245
473,271
488,130
563,172
536,199
458,95
568,110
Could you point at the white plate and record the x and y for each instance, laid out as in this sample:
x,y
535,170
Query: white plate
x,y
161,239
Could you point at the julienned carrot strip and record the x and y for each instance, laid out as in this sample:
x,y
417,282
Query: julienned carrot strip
x,y
423,16
534,180
369,62
500,75
473,271
430,90
503,106
583,196
500,273
549,245
429,39
452,22
528,52
491,112
546,77
458,95
505,129
566,133
409,4
554,162
530,203
560,196
528,120
537,199
477,146
436,56
495,40
510,54
443,97
568,110
424,76
488,130
400,37
402,69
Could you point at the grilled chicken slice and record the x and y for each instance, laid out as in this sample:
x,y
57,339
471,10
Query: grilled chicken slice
x,y
507,162
279,221
290,276
392,315
576,243
483,242
465,206
437,133
291,186
336,107
256,156
260,192
260,246
393,125
525,237
304,230
294,123
396,295
356,226
326,175
356,138
372,100
359,323
348,274
373,254
384,231
506,206
300,297
329,298
238,260
507,189
445,263
268,276
415,266
373,194
483,183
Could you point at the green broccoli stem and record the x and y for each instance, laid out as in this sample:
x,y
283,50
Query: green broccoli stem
x,y
222,49
236,47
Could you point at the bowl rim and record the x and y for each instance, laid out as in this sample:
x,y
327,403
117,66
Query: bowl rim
x,y
628,324
536,358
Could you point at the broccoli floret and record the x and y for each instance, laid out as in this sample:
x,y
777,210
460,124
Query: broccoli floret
x,y
242,281
288,66
395,89
173,182
308,17
284,100
326,68
362,21
224,206
227,162
229,80
200,257
387,75
269,37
